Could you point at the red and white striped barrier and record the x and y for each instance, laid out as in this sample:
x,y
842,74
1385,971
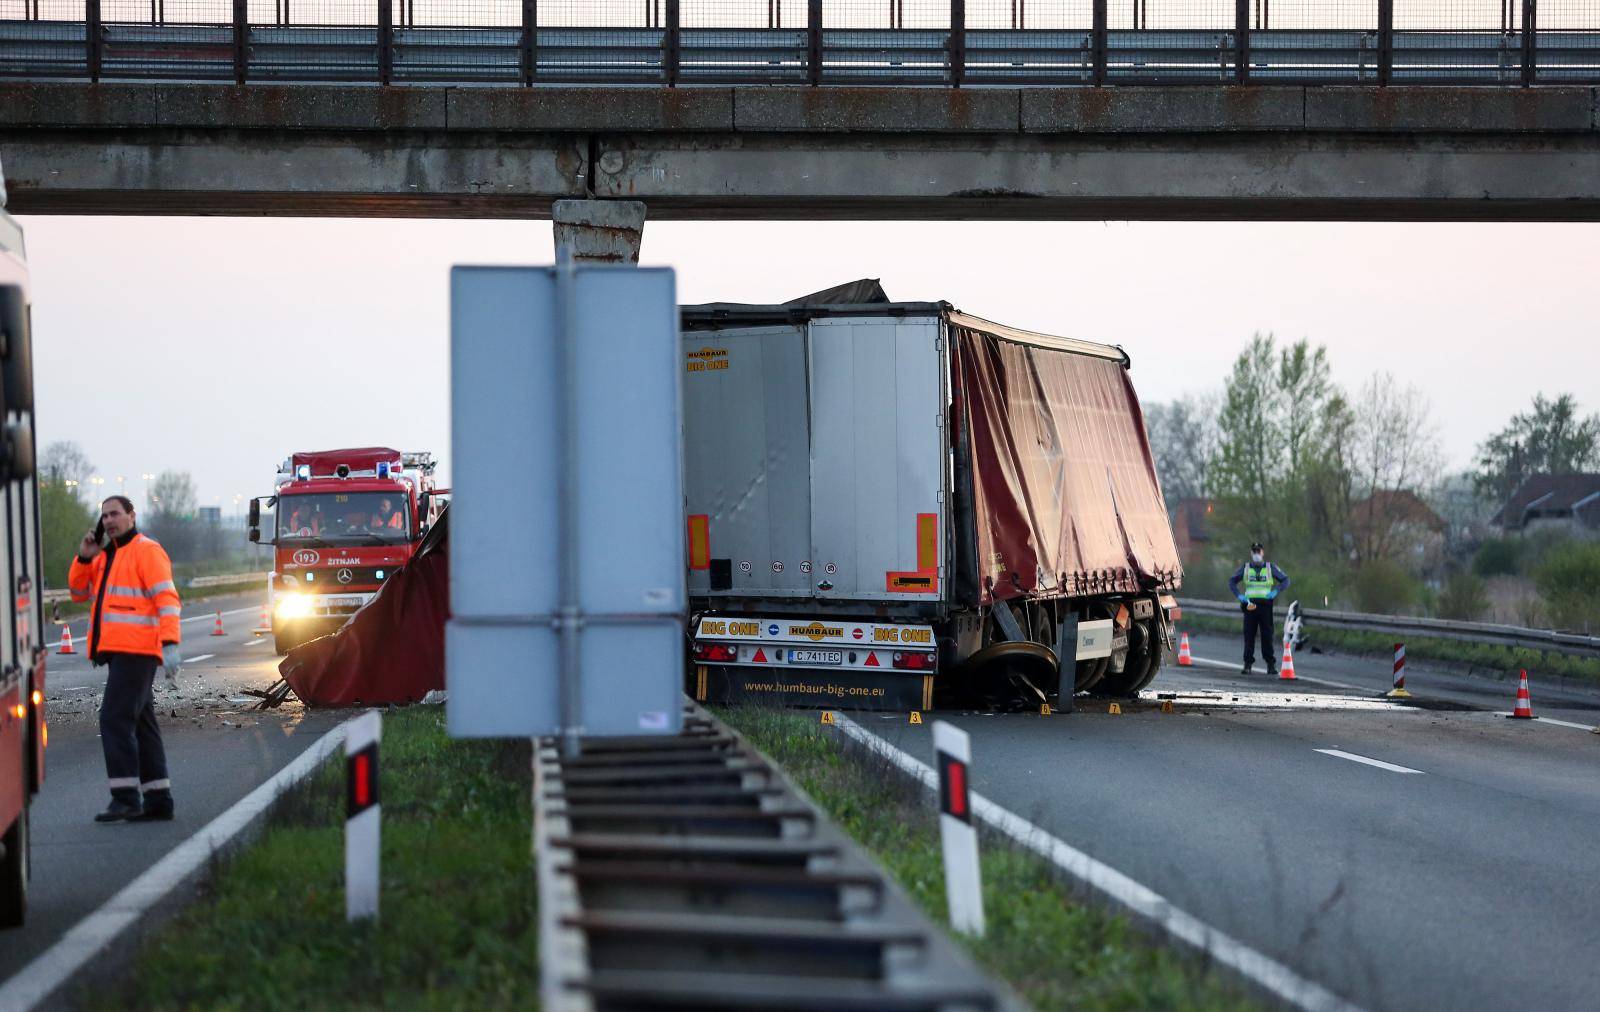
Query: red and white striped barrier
x,y
362,814
963,883
1399,690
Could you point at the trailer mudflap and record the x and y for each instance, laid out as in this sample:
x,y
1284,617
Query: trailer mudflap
x,y
810,687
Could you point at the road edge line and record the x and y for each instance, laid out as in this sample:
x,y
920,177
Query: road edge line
x,y
1259,969
51,969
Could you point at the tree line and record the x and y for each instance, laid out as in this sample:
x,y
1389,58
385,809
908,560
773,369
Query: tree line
x,y
1348,489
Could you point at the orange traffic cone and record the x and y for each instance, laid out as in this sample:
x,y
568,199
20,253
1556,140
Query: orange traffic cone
x,y
1185,658
263,626
1286,670
1524,710
217,629
66,641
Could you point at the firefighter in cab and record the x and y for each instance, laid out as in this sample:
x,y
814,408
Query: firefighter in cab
x,y
1257,584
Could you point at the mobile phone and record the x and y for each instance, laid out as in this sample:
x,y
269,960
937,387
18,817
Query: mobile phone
x,y
100,532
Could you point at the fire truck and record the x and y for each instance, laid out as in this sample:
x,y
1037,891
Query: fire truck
x,y
23,731
342,522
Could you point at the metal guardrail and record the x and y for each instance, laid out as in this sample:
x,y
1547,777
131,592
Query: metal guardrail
x,y
57,596
687,872
1572,644
807,42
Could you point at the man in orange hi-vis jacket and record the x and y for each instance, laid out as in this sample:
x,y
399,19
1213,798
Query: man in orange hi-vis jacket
x,y
126,579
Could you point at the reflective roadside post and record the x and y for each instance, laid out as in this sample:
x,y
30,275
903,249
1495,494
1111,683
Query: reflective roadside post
x,y
362,826
963,883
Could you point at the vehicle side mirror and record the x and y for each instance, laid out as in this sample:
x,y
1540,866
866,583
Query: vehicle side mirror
x,y
18,453
256,524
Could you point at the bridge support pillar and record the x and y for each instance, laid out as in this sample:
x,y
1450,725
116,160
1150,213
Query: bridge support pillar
x,y
599,231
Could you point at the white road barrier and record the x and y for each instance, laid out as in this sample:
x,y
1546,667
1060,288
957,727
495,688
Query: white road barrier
x,y
362,827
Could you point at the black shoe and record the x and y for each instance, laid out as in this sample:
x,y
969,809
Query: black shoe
x,y
1272,672
157,807
121,810
1245,670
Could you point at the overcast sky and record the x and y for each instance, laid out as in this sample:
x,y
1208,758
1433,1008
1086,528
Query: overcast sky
x,y
218,346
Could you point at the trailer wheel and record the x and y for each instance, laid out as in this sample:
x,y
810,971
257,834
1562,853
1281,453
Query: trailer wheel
x,y
1144,660
14,873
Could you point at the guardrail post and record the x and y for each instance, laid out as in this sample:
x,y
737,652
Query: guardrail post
x,y
385,42
813,42
672,45
94,41
529,42
1241,41
1098,43
1530,41
957,47
241,40
1385,41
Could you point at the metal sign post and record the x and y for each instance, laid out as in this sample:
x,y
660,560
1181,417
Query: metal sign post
x,y
567,576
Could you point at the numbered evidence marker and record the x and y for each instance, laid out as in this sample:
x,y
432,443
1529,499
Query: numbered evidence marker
x,y
361,827
827,716
963,886
916,717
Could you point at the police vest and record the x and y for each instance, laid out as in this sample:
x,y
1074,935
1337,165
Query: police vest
x,y
1258,582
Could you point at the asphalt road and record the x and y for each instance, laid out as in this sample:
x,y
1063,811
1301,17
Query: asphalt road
x,y
1467,878
218,750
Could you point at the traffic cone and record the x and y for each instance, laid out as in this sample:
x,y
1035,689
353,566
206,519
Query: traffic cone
x,y
264,626
1185,658
66,641
1524,710
217,629
1286,669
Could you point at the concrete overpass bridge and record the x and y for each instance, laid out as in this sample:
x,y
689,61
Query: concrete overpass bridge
x,y
723,109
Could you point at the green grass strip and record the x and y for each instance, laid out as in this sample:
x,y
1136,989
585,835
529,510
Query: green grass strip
x,y
1056,952
1482,658
458,926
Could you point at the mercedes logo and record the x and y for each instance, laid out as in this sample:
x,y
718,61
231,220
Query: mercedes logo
x,y
345,576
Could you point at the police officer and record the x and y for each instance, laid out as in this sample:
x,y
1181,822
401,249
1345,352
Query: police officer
x,y
133,629
1262,582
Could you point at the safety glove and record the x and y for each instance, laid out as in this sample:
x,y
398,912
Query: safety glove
x,y
171,663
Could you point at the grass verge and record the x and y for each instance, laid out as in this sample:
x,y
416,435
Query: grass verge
x,y
458,927
1480,658
1057,952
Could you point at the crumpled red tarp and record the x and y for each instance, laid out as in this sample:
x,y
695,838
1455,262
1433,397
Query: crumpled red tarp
x,y
392,650
1066,494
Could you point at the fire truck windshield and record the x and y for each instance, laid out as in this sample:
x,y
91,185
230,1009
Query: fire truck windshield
x,y
343,518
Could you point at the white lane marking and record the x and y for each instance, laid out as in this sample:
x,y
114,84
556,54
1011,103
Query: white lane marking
x,y
1141,900
1391,767
1298,677
196,660
255,643
89,937
1552,720
211,616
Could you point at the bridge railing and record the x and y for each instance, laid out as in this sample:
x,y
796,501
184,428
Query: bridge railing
x,y
815,42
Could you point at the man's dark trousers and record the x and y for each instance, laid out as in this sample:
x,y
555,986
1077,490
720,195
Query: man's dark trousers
x,y
135,756
1260,619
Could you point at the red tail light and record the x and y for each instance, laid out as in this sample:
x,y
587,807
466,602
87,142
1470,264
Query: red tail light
x,y
715,652
913,661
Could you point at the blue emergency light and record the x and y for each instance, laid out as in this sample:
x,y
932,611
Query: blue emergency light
x,y
383,469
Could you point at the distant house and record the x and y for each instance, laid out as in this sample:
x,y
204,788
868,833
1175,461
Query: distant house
x,y
1191,528
1400,525
1563,502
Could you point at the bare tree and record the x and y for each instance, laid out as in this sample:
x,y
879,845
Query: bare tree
x,y
65,461
1183,439
1394,456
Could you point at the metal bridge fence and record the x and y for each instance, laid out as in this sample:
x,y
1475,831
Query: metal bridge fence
x,y
950,43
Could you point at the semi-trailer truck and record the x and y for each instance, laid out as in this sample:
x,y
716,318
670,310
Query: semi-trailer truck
x,y
901,505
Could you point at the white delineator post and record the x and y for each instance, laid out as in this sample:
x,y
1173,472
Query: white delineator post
x,y
361,827
962,882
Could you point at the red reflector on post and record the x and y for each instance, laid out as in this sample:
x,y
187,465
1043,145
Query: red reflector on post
x,y
958,790
363,780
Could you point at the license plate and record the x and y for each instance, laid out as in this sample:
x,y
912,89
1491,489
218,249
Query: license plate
x,y
816,657
342,602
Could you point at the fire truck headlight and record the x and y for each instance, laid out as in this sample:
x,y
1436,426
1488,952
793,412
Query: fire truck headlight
x,y
294,606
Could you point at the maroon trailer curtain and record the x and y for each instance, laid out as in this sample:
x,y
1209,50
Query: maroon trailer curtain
x,y
392,650
1065,490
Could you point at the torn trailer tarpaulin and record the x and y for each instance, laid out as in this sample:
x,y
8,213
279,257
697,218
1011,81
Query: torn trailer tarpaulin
x,y
392,650
1065,493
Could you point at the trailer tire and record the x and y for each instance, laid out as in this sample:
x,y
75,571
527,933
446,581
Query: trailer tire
x,y
14,873
1144,660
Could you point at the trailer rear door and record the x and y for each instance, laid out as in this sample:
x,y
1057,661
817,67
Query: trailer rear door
x,y
877,448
